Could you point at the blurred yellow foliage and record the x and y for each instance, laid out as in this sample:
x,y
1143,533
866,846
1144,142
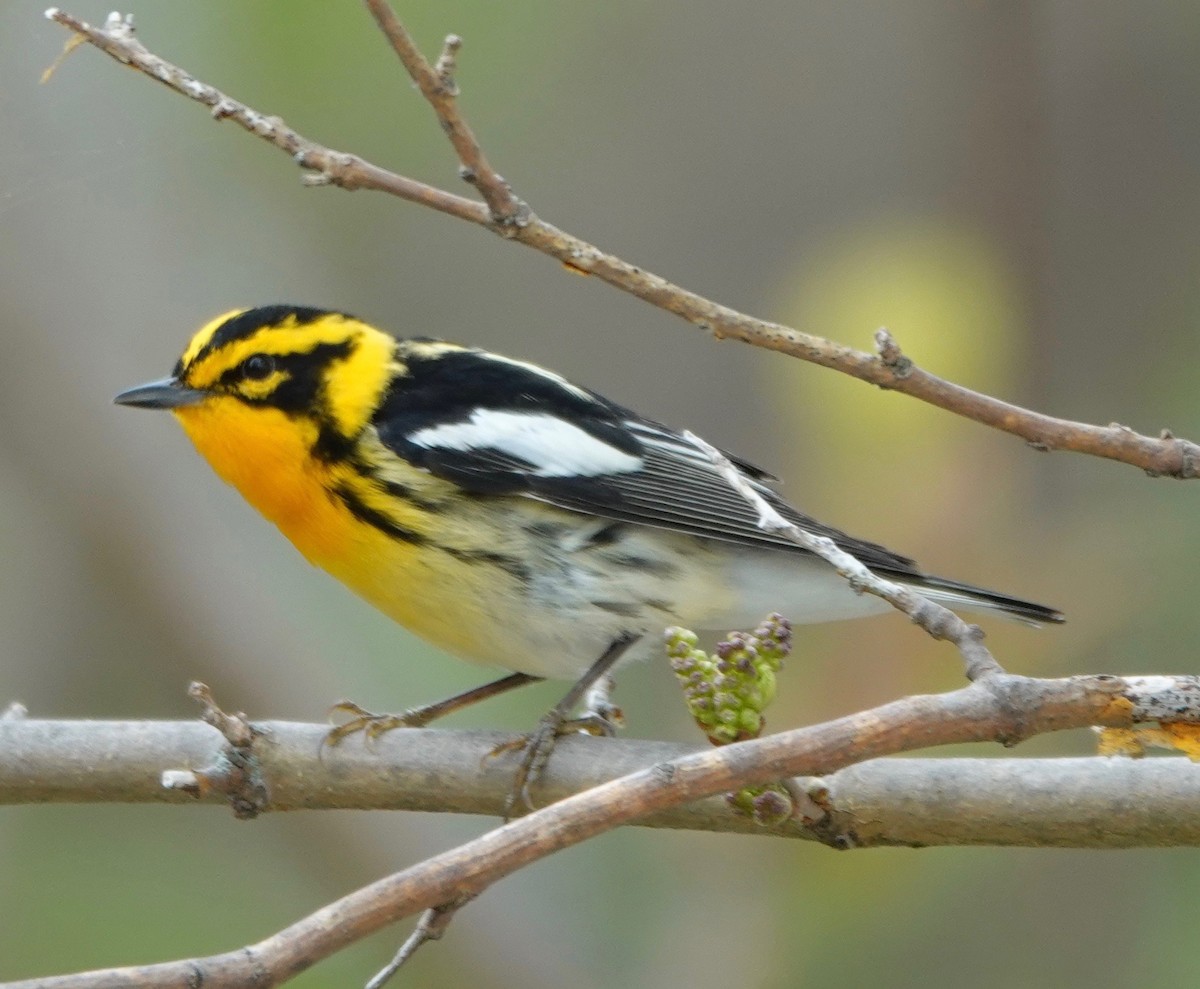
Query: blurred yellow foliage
x,y
943,292
951,304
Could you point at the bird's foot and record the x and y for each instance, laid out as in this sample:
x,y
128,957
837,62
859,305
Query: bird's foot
x,y
536,747
371,725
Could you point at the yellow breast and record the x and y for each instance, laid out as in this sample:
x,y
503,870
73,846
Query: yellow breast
x,y
265,454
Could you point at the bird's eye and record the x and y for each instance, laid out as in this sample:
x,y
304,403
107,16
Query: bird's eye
x,y
257,367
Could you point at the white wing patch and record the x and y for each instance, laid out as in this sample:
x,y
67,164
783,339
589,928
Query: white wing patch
x,y
554,447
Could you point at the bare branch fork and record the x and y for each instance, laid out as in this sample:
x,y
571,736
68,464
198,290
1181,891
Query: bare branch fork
x,y
996,706
502,212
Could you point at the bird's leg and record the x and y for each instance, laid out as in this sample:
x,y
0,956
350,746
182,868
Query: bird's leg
x,y
374,725
599,709
536,747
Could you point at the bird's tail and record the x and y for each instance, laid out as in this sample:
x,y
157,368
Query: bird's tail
x,y
954,594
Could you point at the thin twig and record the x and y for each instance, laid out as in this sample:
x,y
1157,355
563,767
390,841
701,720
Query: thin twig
x,y
1162,456
938,621
430,927
235,772
441,92
329,167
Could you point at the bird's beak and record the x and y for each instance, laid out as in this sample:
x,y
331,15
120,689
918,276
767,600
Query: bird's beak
x,y
168,393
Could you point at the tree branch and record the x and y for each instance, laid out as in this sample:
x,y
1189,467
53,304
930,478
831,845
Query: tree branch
x,y
438,87
998,708
1092,802
504,214
127,762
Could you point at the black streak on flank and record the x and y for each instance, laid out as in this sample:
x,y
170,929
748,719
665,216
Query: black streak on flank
x,y
622,608
341,449
607,536
508,564
365,513
632,561
398,490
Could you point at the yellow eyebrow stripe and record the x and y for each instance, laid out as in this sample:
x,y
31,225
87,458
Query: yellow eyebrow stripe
x,y
205,334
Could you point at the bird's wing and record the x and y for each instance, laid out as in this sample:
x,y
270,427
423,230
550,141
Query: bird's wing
x,y
677,486
546,439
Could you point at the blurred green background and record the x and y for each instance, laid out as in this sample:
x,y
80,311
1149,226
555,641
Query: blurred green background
x,y
1012,187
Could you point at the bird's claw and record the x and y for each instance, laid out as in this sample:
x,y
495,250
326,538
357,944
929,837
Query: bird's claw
x,y
371,725
537,746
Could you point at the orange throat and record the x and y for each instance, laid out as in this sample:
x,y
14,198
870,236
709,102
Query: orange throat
x,y
266,456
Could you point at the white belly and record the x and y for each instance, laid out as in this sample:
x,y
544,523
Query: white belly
x,y
592,595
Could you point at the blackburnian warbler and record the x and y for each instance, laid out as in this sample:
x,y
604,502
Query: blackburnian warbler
x,y
493,507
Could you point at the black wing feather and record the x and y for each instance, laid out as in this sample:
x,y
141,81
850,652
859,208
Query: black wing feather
x,y
677,487
674,490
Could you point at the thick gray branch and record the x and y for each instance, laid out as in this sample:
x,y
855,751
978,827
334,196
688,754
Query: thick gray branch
x,y
1094,802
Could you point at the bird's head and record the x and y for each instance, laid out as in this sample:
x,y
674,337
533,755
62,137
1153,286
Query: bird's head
x,y
247,371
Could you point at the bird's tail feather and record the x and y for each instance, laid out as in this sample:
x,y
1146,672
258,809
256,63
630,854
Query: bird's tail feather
x,y
953,593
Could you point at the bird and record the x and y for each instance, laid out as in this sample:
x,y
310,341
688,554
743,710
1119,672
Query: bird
x,y
499,511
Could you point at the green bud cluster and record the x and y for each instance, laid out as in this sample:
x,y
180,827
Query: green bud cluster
x,y
728,691
768,805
